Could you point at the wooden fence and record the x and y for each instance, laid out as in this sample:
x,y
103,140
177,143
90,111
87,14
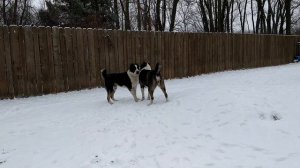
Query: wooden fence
x,y
43,60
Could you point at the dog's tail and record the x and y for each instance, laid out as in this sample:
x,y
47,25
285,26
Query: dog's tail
x,y
158,69
103,74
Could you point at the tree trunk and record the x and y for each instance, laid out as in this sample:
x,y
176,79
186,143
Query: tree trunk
x,y
23,12
4,12
288,16
173,15
116,13
15,12
164,16
204,16
157,16
252,17
139,17
125,10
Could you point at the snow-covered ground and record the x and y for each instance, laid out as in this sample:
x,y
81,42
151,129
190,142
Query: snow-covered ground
x,y
236,119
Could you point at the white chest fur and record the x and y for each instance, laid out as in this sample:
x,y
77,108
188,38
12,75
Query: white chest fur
x,y
134,78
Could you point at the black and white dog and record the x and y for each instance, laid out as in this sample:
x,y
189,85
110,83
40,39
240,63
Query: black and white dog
x,y
128,79
151,78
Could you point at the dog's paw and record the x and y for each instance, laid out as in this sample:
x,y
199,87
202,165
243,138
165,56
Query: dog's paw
x,y
151,102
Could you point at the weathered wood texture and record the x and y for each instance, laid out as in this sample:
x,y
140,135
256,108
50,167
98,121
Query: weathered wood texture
x,y
43,60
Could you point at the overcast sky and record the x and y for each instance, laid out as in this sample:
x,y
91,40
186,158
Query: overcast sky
x,y
38,3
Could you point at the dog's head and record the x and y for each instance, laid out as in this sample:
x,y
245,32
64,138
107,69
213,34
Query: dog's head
x,y
145,66
134,69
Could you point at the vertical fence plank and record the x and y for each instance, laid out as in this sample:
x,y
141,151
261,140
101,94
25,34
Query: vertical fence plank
x,y
91,57
97,58
166,54
69,59
159,47
171,57
58,67
121,39
133,52
64,61
8,61
177,55
75,59
44,58
207,52
4,84
106,49
86,59
16,61
23,70
137,44
80,59
201,53
30,63
51,79
37,61
110,51
230,52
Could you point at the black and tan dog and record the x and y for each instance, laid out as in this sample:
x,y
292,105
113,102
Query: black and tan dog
x,y
151,79
128,79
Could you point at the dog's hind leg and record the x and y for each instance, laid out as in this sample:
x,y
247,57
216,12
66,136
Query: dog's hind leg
x,y
163,88
113,93
151,92
109,95
143,92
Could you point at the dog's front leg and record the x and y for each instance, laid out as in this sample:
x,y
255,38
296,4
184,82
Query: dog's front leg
x,y
133,92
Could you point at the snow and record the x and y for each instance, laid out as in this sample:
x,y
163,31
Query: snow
x,y
238,119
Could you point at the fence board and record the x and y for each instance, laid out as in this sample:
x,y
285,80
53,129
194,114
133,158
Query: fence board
x,y
30,63
17,68
37,61
8,61
97,57
44,58
200,54
80,60
137,47
177,48
159,48
58,67
22,58
51,79
4,84
87,68
69,59
166,55
133,49
91,57
75,59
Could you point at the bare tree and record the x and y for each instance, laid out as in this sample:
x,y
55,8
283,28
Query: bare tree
x,y
242,13
173,15
125,9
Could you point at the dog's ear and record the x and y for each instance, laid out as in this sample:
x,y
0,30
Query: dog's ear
x,y
144,64
132,67
158,68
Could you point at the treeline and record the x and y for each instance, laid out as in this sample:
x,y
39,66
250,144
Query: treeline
x,y
243,16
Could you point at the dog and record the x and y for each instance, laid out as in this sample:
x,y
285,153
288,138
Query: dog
x,y
151,79
128,79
